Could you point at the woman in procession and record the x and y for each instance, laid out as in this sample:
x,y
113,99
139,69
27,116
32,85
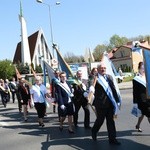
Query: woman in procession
x,y
65,104
139,95
24,96
38,97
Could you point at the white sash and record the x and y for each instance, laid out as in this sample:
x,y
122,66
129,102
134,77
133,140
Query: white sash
x,y
140,80
67,90
14,83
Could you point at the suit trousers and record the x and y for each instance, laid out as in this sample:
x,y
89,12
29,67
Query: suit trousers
x,y
84,105
103,113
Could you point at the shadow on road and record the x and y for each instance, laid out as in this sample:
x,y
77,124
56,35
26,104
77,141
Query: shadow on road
x,y
81,140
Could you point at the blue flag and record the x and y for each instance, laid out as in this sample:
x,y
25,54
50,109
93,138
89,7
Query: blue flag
x,y
63,65
50,71
146,54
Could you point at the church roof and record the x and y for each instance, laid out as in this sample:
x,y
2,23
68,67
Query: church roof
x,y
32,42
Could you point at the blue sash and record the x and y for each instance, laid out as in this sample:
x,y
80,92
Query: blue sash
x,y
108,91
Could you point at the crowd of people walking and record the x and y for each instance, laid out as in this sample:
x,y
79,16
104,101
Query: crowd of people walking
x,y
68,99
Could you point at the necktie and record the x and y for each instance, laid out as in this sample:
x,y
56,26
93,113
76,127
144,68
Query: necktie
x,y
105,77
109,83
107,80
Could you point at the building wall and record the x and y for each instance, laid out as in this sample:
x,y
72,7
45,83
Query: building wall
x,y
123,63
124,57
136,58
122,52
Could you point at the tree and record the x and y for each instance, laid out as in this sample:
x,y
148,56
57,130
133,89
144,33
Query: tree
x,y
98,51
38,69
71,58
7,70
23,69
116,41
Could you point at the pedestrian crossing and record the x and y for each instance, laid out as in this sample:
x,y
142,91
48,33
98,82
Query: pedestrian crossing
x,y
3,123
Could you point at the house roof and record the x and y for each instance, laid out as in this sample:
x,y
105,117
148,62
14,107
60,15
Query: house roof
x,y
143,44
32,42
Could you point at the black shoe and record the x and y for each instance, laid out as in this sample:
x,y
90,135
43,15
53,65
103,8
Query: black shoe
x,y
70,131
94,136
138,128
76,125
114,142
42,124
61,128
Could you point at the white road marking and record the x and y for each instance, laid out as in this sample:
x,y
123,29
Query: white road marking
x,y
3,123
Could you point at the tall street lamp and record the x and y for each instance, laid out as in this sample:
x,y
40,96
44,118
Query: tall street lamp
x,y
50,21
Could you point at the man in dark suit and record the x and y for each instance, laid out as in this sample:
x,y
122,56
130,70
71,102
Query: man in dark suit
x,y
54,82
13,88
106,103
80,100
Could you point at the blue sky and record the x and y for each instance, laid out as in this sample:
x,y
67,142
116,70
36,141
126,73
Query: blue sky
x,y
77,24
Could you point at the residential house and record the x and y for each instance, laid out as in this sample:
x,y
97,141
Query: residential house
x,y
125,58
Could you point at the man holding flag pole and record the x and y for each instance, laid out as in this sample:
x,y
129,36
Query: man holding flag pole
x,y
107,102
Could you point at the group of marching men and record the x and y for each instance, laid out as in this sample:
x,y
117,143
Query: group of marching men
x,y
99,93
69,98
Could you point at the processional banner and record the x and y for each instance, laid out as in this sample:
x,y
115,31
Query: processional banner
x,y
146,56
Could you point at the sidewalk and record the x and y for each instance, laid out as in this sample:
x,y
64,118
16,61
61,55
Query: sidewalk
x,y
125,85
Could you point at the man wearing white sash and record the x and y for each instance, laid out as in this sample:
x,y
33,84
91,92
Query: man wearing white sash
x,y
106,103
139,95
80,100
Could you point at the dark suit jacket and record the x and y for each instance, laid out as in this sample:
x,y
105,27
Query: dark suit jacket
x,y
53,89
22,94
79,95
12,87
78,92
139,97
101,99
62,95
139,92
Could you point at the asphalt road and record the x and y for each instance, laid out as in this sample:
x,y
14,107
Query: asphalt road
x,y
18,135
